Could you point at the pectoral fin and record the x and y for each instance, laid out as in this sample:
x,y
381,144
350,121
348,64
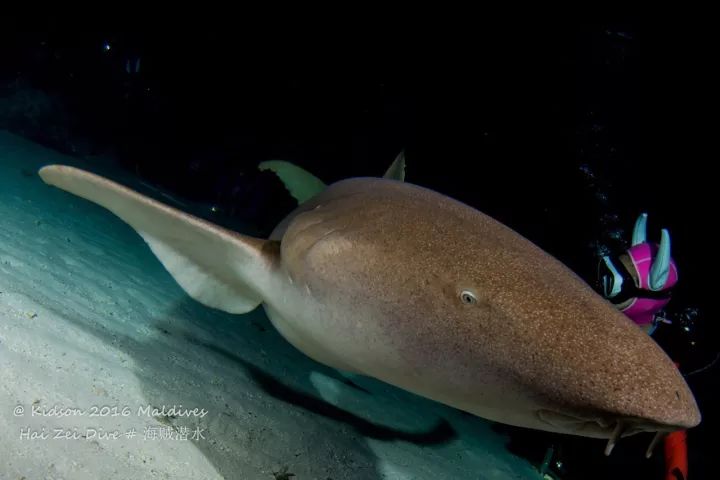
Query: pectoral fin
x,y
217,267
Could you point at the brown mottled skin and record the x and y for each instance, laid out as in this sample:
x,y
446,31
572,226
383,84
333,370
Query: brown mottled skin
x,y
538,336
369,276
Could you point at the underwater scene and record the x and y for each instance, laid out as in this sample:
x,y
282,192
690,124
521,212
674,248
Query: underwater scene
x,y
231,254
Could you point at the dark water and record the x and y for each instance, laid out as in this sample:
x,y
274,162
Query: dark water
x,y
565,135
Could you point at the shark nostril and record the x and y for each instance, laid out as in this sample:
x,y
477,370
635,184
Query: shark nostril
x,y
677,394
603,422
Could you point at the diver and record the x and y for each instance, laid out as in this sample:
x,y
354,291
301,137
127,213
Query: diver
x,y
639,282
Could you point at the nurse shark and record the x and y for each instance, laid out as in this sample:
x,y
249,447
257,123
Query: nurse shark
x,y
391,280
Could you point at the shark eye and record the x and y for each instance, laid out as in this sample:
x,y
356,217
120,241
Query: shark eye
x,y
468,298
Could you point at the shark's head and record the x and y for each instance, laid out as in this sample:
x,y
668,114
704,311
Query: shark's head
x,y
457,307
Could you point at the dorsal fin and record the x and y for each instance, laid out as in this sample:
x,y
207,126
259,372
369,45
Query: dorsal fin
x,y
397,168
303,185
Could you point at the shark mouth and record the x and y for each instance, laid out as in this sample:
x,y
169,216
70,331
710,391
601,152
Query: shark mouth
x,y
620,428
601,427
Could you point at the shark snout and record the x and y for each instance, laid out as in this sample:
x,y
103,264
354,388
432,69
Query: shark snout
x,y
604,425
616,413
